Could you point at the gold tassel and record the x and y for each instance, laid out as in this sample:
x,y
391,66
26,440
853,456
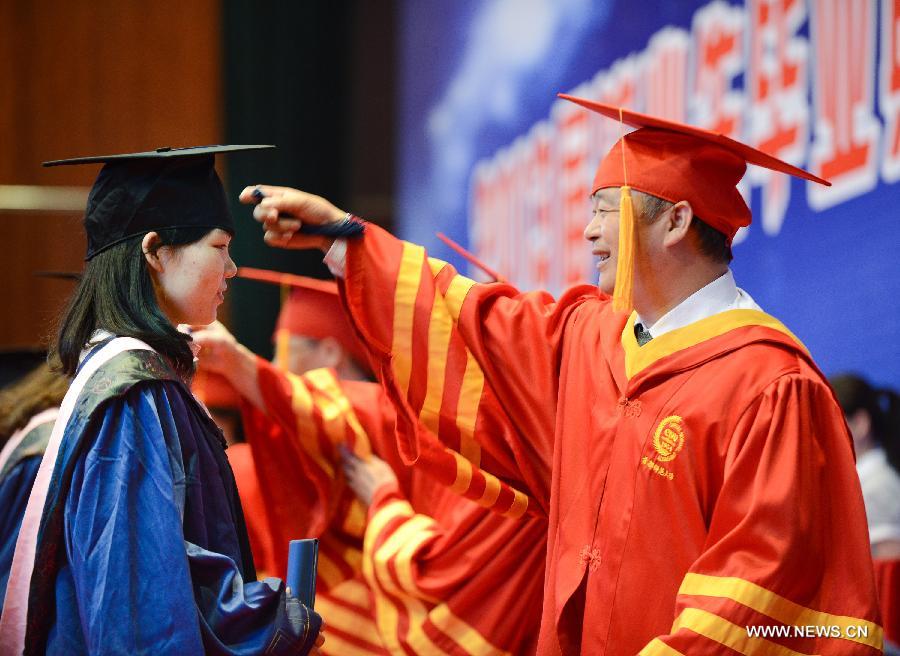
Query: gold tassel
x,y
623,293
282,337
282,348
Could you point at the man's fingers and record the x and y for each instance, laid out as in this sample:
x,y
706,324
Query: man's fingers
x,y
276,238
267,190
271,219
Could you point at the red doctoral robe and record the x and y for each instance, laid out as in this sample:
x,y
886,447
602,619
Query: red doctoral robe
x,y
696,486
424,571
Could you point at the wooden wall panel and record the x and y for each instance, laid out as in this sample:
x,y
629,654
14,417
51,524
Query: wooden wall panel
x,y
80,78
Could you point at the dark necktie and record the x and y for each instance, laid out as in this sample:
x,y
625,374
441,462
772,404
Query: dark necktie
x,y
643,336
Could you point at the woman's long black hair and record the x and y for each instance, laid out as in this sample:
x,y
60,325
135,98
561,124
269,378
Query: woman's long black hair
x,y
116,294
882,406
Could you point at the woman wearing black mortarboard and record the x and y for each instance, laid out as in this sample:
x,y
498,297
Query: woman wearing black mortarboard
x,y
134,540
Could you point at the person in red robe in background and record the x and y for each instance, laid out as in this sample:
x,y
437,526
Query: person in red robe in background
x,y
223,403
406,564
693,463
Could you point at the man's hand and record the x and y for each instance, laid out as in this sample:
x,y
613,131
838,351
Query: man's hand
x,y
283,210
365,477
320,640
221,353
218,349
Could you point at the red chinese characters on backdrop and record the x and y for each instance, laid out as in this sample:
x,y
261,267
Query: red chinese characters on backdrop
x,y
846,132
796,78
777,87
666,66
889,88
718,48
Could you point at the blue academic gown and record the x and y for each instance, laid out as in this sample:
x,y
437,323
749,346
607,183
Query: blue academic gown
x,y
15,486
154,557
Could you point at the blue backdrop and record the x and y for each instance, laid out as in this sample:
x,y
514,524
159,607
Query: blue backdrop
x,y
819,80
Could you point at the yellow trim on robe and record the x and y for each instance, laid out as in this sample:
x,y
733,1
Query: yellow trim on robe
x,y
463,473
440,325
353,592
393,509
325,382
329,571
355,623
657,647
491,490
355,520
775,606
518,506
302,405
333,420
416,530
338,647
403,561
726,633
376,571
464,635
332,417
408,279
467,410
638,358
387,617
456,294
353,557
473,379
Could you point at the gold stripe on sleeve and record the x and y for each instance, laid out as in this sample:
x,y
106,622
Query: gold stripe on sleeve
x,y
440,325
491,490
408,280
462,633
463,474
518,506
657,647
778,607
308,433
467,410
731,635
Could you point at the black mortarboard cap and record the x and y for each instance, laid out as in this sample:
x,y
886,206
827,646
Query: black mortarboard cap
x,y
137,193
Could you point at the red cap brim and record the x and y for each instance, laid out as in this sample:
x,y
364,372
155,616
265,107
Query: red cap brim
x,y
747,153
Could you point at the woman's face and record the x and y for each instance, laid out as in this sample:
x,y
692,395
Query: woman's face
x,y
190,280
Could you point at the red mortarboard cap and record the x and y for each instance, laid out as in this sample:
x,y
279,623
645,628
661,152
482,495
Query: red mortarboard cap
x,y
311,308
214,390
680,162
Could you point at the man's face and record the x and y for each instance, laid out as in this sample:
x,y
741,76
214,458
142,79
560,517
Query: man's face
x,y
307,353
603,233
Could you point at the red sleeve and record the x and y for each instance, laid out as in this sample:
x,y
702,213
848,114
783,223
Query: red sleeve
x,y
295,450
787,546
468,583
474,365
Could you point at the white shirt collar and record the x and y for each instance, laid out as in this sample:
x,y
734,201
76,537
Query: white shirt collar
x,y
721,295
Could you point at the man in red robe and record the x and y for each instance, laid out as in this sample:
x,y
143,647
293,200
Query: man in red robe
x,y
695,468
414,568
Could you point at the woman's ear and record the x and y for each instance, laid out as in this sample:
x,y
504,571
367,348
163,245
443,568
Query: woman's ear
x,y
149,246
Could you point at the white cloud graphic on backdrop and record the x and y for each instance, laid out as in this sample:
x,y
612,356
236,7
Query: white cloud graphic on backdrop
x,y
513,48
